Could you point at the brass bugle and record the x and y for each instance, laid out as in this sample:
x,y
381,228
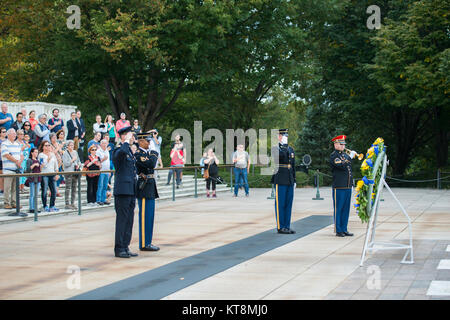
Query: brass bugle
x,y
144,135
360,155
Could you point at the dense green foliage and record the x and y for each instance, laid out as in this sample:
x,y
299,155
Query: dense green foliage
x,y
311,66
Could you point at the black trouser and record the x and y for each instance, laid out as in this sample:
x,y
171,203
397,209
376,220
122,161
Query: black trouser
x,y
124,206
177,172
48,182
92,185
212,178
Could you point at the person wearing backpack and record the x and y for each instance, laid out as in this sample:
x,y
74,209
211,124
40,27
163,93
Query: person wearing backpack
x,y
42,130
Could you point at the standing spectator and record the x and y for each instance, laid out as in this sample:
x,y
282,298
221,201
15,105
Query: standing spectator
x,y
92,163
110,149
72,129
57,150
32,119
26,155
110,128
104,156
202,161
61,140
99,126
23,111
49,164
12,158
71,162
136,128
18,124
2,138
122,122
33,166
96,140
25,149
212,166
81,135
6,119
28,131
62,145
241,161
177,160
155,144
41,130
110,145
55,124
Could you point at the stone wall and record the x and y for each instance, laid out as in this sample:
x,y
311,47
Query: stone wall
x,y
40,107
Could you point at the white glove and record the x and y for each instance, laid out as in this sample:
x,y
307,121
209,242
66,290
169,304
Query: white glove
x,y
352,154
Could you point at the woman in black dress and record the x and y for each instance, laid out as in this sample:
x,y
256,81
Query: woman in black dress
x,y
92,163
211,163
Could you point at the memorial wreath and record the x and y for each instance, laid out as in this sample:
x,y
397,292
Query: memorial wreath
x,y
362,196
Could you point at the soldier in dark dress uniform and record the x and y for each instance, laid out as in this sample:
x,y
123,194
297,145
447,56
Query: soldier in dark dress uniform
x,y
341,166
283,180
124,192
146,161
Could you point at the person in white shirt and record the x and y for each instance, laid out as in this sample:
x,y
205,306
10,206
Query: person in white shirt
x,y
155,144
49,164
103,154
24,112
241,161
99,126
12,157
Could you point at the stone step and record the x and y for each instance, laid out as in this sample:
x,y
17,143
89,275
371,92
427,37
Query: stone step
x,y
86,209
161,188
165,193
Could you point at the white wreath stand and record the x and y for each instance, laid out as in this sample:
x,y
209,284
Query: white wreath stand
x,y
369,243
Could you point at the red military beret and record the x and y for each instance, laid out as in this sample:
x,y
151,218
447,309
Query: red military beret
x,y
339,139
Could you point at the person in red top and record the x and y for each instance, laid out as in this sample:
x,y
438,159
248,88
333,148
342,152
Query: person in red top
x,y
177,156
122,122
92,163
32,119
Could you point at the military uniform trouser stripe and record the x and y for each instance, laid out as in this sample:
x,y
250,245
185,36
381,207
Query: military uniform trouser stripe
x,y
284,196
146,221
277,212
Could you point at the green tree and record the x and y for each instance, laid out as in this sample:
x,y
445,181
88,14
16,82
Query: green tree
x,y
315,137
140,56
411,66
344,48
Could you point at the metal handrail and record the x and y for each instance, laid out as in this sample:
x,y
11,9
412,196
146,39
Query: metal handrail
x,y
12,175
83,173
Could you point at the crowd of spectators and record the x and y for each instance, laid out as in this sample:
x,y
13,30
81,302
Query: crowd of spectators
x,y
32,143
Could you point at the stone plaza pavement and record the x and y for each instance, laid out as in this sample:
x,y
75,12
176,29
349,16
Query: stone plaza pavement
x,y
36,258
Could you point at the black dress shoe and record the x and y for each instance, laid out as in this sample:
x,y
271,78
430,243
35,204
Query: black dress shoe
x,y
122,254
291,231
285,231
348,234
340,234
150,248
131,254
